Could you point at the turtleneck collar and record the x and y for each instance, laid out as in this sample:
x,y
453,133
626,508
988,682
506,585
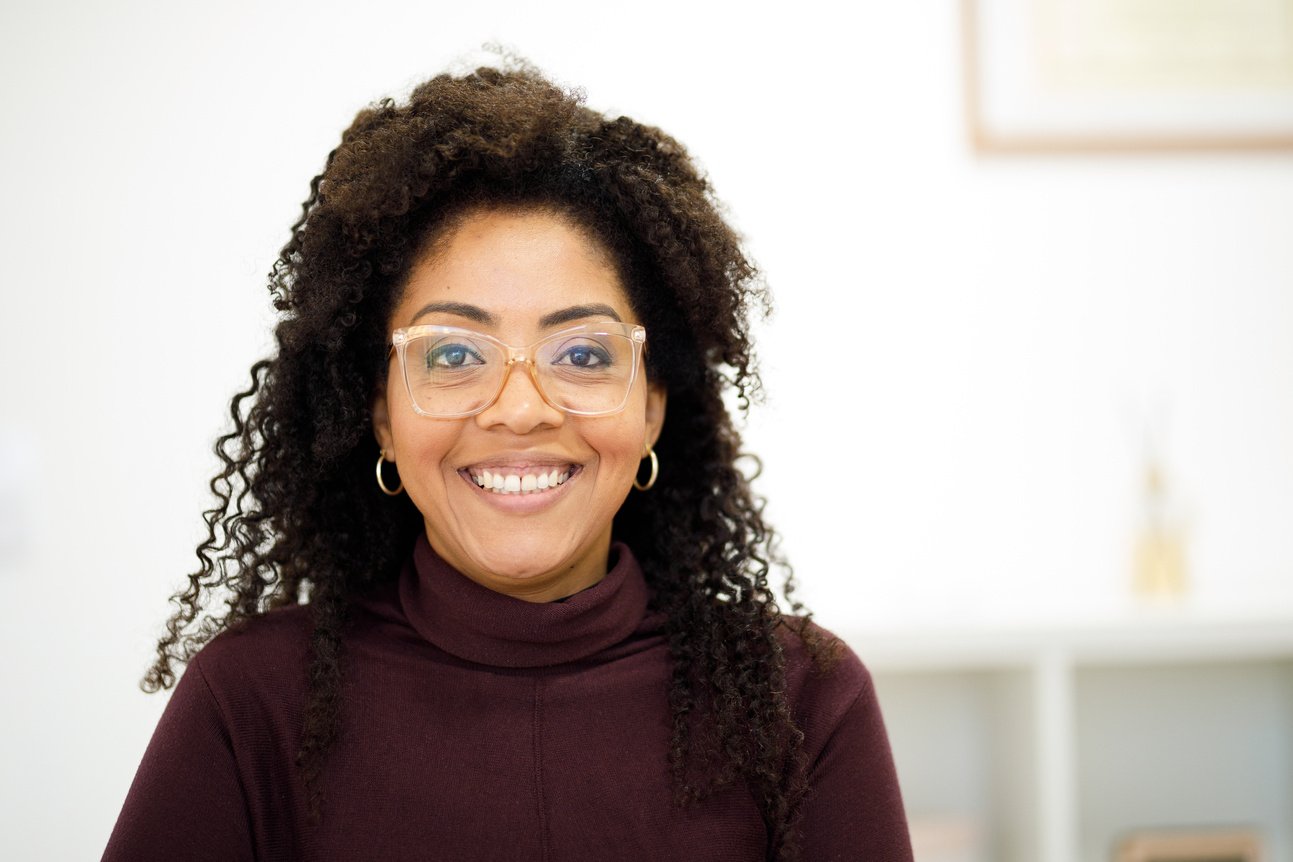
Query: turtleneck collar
x,y
475,623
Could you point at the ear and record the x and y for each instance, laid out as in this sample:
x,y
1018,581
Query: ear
x,y
382,422
656,398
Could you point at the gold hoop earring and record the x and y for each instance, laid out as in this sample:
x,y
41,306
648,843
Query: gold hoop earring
x,y
381,459
655,471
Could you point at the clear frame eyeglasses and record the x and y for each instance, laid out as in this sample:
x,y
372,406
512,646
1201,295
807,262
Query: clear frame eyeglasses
x,y
586,370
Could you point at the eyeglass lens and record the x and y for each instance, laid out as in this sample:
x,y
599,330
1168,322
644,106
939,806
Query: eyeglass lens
x,y
452,374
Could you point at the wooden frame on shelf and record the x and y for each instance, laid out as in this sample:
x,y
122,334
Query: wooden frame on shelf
x,y
1237,845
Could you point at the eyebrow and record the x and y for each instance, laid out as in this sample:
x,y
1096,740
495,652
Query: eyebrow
x,y
462,309
575,312
480,315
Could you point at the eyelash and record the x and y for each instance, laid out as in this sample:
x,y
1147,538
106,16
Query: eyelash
x,y
601,355
441,349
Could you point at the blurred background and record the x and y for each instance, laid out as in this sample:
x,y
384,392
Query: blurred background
x,y
1028,426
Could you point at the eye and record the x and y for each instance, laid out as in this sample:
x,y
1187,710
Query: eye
x,y
584,356
453,355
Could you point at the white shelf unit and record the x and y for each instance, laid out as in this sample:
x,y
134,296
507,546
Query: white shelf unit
x,y
1050,743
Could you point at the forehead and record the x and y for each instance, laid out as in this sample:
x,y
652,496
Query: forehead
x,y
517,266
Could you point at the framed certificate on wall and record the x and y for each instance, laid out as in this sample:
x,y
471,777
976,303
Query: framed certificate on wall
x,y
1048,75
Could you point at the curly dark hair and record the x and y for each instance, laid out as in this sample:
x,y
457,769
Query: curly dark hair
x,y
296,518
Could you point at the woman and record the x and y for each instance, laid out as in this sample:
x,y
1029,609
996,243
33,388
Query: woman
x,y
483,600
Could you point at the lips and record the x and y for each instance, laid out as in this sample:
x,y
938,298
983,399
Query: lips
x,y
521,480
520,473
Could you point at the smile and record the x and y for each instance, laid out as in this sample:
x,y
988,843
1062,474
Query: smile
x,y
521,480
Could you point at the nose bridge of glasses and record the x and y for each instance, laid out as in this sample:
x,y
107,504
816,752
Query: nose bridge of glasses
x,y
521,356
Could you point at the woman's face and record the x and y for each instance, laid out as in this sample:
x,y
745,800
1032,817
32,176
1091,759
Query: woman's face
x,y
502,273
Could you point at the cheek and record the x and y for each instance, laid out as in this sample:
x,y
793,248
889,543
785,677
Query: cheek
x,y
621,439
421,444
620,445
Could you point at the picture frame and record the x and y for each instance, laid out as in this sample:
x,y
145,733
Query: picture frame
x,y
1230,845
1128,75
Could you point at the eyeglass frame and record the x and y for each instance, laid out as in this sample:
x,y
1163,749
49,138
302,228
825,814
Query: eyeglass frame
x,y
400,339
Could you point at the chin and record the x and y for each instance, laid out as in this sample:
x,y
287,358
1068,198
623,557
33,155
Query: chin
x,y
516,568
517,557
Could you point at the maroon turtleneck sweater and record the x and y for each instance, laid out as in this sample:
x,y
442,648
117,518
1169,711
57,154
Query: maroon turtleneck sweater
x,y
476,726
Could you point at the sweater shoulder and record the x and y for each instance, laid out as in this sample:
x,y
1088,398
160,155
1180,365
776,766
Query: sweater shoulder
x,y
815,654
825,678
272,650
267,651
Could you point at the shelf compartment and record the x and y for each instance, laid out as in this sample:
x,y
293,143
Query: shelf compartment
x,y
1198,745
964,745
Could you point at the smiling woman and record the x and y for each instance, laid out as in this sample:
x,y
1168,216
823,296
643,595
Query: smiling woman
x,y
523,276
545,631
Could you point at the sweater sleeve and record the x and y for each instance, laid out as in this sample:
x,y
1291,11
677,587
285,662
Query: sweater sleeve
x,y
187,800
854,810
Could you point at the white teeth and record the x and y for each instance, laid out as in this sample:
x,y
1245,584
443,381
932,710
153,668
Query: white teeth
x,y
528,483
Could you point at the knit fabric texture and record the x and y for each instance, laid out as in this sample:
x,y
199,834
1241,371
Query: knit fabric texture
x,y
476,726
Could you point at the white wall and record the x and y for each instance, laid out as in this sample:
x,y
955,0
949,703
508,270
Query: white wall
x,y
960,352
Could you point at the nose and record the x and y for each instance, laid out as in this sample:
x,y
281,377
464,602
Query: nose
x,y
519,407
